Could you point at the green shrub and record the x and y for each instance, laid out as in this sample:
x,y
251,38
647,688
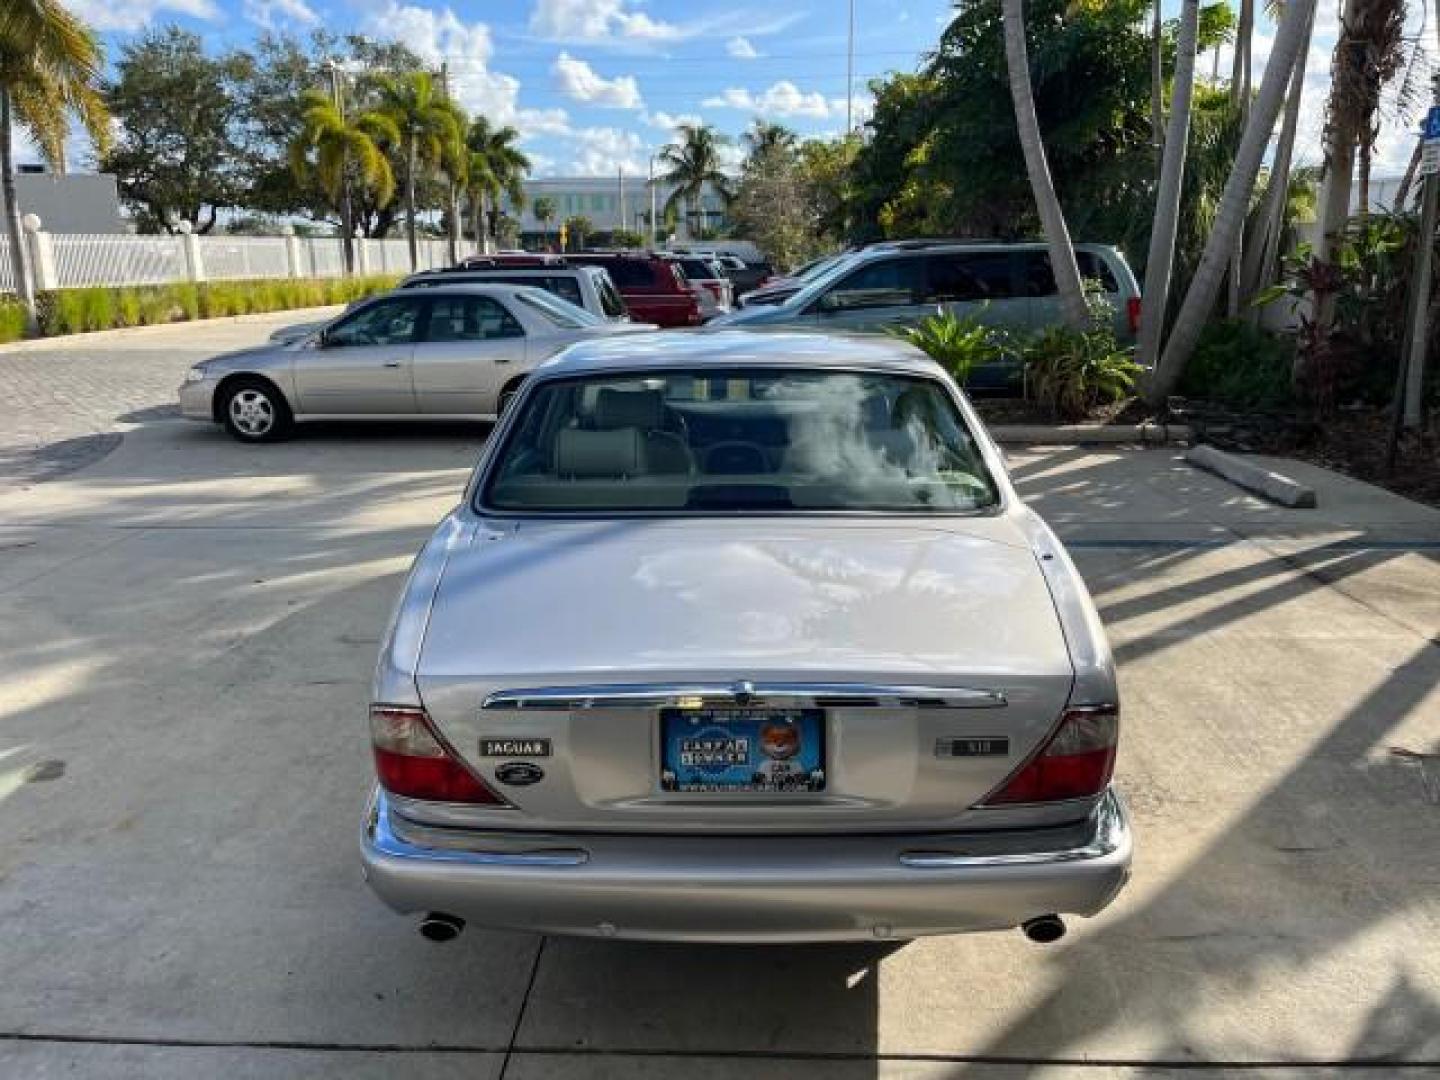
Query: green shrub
x,y
959,345
1072,371
12,320
187,298
1238,365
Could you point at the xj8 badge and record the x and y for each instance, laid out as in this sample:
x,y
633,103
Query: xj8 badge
x,y
513,746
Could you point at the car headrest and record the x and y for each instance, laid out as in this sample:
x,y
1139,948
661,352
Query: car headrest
x,y
592,455
644,409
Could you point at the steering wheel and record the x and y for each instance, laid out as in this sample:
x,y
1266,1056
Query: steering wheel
x,y
736,458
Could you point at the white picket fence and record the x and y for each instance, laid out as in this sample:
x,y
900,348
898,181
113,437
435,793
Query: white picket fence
x,y
75,260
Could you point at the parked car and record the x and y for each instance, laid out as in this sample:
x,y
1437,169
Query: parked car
x,y
653,286
744,637
450,352
776,290
899,283
587,287
716,293
754,268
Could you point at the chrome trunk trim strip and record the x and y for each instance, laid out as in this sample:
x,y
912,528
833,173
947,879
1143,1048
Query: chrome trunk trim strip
x,y
743,693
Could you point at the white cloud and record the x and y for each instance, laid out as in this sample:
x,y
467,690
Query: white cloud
x,y
603,151
783,99
441,35
597,20
578,81
273,13
137,14
533,122
670,121
741,49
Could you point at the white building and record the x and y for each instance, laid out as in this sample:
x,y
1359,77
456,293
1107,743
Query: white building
x,y
610,203
69,202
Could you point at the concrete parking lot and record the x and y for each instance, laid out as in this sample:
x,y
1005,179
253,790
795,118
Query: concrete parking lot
x,y
188,628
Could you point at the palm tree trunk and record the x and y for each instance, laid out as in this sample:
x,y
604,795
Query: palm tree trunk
x,y
412,155
1167,200
1260,269
453,251
1363,179
15,236
1240,63
477,221
1052,217
1340,139
1234,203
347,226
1157,91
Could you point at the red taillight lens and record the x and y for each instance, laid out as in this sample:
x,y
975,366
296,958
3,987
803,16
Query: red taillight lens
x,y
1132,311
1075,763
412,760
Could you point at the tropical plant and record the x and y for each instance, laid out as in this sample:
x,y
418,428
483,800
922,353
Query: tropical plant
x,y
49,64
544,210
692,164
341,153
427,133
1240,366
766,137
497,167
959,344
455,167
627,238
1070,372
1047,203
1235,202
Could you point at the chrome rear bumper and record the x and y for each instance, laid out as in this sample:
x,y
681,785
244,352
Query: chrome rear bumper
x,y
748,888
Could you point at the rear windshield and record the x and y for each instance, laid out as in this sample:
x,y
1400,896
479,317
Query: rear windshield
x,y
697,269
560,312
757,440
629,273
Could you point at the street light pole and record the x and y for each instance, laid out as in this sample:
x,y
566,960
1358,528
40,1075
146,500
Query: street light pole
x,y
654,232
850,70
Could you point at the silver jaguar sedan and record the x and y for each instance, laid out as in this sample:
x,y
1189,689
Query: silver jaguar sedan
x,y
446,353
744,637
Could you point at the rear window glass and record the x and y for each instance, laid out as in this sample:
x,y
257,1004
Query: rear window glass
x,y
629,273
1038,280
757,440
697,269
610,301
559,312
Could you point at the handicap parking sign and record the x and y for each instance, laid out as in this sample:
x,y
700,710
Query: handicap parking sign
x,y
1432,123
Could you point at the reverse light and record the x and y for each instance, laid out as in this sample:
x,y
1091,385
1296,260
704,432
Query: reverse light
x,y
412,760
1074,763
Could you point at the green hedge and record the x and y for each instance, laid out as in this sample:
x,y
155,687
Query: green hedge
x,y
71,311
12,320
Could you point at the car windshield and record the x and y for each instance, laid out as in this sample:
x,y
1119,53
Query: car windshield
x,y
762,440
559,312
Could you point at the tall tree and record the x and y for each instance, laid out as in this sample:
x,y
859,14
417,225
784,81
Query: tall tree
x,y
1157,84
342,154
765,136
1161,260
502,165
49,63
455,167
427,127
692,164
1235,203
544,210
1047,203
178,152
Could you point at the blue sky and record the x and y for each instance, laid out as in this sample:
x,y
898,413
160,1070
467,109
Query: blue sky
x,y
597,85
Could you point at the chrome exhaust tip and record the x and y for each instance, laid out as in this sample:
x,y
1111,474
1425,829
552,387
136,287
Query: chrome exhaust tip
x,y
439,927
1044,929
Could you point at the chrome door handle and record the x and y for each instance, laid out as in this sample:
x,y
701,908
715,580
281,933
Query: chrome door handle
x,y
391,363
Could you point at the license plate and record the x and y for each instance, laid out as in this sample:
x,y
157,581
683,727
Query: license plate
x,y
756,750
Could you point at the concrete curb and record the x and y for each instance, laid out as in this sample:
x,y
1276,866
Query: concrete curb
x,y
1089,434
1252,477
61,341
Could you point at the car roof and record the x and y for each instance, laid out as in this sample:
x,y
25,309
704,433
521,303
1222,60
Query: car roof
x,y
737,348
471,287
458,275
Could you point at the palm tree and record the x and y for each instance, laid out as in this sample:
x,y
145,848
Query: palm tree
x,y
1235,202
576,230
1167,198
49,65
426,123
345,152
693,164
1052,217
455,164
503,169
545,213
765,137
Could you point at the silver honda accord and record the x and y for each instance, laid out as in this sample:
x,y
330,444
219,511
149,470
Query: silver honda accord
x,y
744,637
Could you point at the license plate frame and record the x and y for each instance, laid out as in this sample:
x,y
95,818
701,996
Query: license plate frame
x,y
743,751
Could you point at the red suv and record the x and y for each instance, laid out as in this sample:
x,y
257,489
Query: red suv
x,y
655,289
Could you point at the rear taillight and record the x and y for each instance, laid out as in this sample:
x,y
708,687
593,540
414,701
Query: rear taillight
x,y
1132,310
1075,762
412,760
